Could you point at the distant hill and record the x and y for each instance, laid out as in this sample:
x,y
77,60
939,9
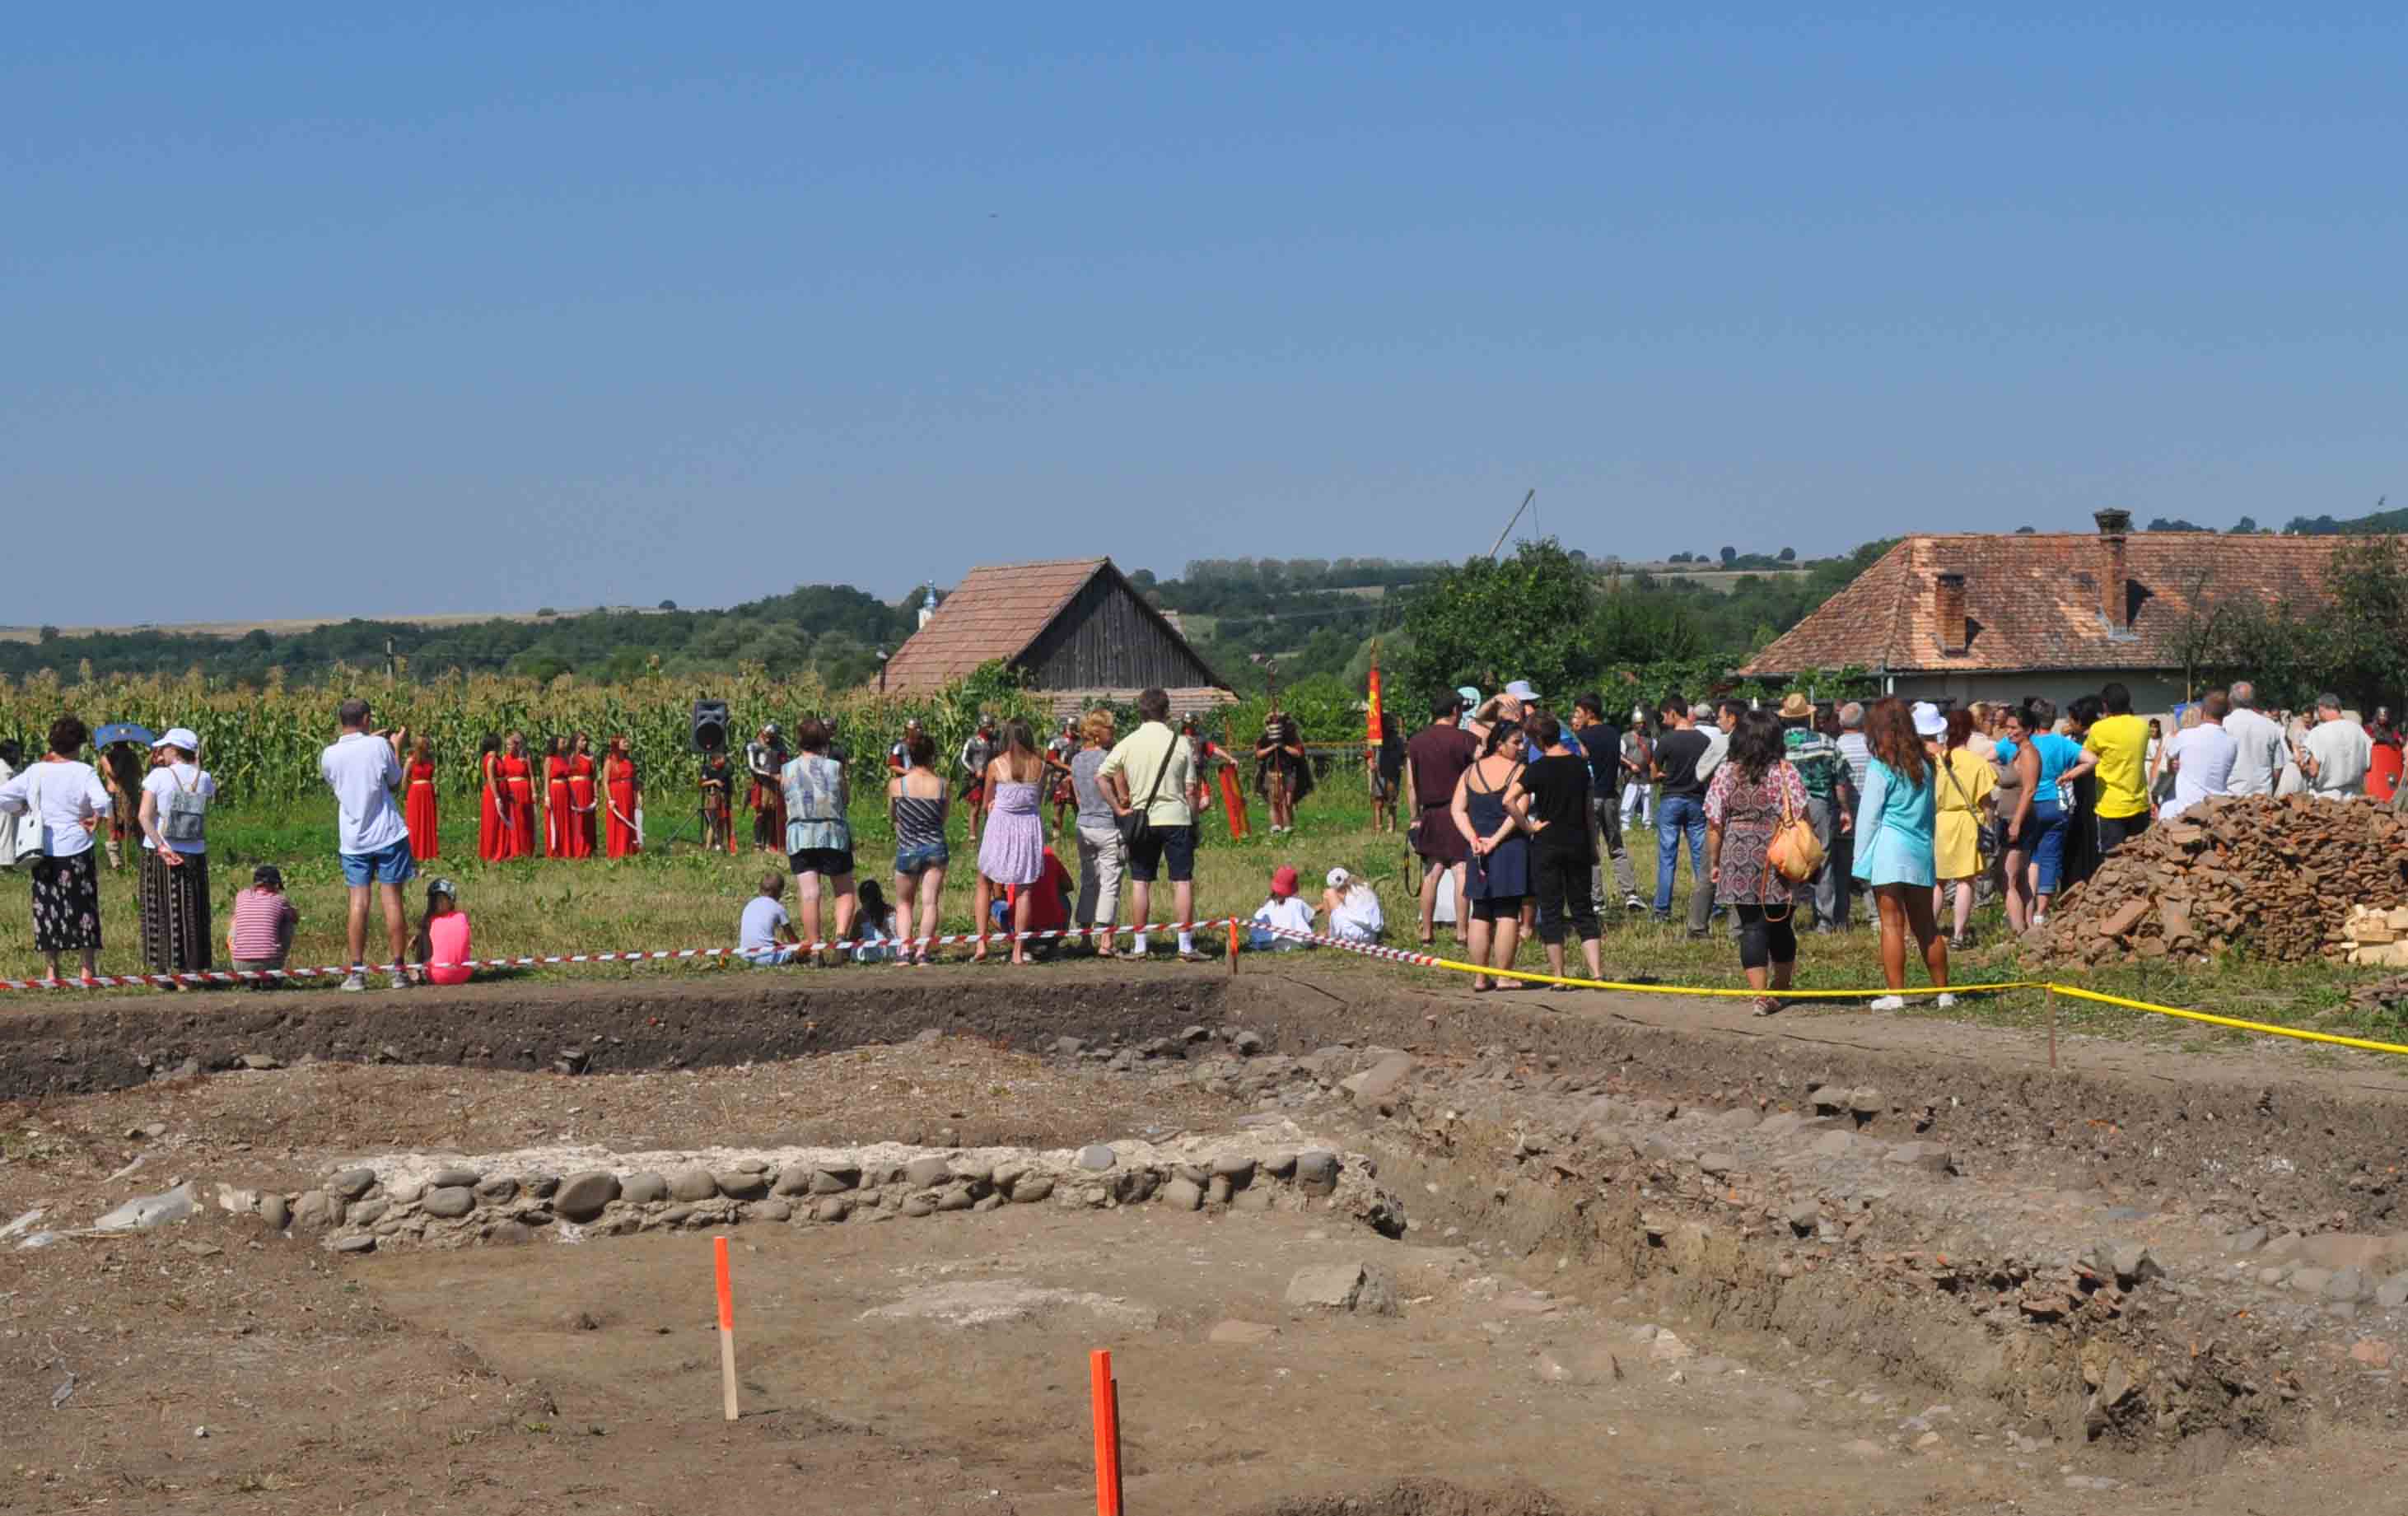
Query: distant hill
x,y
2379,522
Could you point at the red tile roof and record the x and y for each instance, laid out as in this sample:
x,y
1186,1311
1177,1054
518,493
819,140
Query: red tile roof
x,y
2034,601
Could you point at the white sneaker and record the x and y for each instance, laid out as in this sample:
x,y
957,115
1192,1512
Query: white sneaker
x,y
355,981
1944,1000
2039,921
1888,1002
401,981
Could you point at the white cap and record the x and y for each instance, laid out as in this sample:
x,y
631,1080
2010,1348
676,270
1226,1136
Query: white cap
x,y
1520,689
179,737
1927,720
1338,879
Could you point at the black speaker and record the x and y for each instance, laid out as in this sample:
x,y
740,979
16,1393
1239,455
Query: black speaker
x,y
711,727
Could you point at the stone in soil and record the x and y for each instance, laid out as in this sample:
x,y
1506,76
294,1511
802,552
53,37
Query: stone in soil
x,y
581,1196
644,1188
1237,1333
449,1201
1354,1287
926,1173
691,1183
738,1185
352,1183
1316,1172
1182,1195
1096,1157
448,1179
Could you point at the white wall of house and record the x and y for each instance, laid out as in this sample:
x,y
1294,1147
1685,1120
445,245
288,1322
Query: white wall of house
x,y
2153,692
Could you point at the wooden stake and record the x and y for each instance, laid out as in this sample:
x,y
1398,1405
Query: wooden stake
x,y
1233,944
726,1332
1105,1396
2052,1028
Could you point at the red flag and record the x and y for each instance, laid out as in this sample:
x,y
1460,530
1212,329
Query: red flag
x,y
1374,729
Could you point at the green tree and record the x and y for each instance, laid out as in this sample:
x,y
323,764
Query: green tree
x,y
1487,623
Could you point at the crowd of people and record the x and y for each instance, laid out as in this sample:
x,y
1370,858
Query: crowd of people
x,y
1804,809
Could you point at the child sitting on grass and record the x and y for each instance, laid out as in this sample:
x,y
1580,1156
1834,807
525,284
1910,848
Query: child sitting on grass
x,y
766,935
441,946
873,926
260,936
1352,907
1284,911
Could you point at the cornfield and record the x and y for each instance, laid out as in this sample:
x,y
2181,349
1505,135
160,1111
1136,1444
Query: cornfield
x,y
263,744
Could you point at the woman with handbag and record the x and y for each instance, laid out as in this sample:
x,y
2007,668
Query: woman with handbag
x,y
67,798
1894,843
176,858
1962,813
1753,804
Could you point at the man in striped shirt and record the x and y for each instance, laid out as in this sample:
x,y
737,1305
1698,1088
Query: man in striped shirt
x,y
261,936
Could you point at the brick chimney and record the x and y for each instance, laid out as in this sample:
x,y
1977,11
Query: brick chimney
x,y
1948,608
2114,578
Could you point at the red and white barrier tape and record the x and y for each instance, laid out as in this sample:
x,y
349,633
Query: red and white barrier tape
x,y
104,981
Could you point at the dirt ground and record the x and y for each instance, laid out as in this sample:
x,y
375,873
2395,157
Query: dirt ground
x,y
213,1361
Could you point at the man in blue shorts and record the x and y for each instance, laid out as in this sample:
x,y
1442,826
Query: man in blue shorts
x,y
364,769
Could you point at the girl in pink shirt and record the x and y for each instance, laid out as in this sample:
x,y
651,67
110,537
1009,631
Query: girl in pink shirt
x,y
442,942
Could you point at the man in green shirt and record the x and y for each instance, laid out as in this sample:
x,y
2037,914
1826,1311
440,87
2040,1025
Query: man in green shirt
x,y
1153,768
2117,746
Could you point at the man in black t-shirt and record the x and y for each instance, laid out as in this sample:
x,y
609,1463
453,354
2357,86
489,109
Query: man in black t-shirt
x,y
1683,810
1601,742
1552,792
1435,760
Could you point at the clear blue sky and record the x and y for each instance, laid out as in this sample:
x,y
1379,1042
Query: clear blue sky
x,y
436,310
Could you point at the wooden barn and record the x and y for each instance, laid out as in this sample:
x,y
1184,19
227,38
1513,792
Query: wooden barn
x,y
1076,627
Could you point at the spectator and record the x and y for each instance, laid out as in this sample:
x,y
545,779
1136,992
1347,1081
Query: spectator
x,y
1353,907
917,801
1753,794
1385,764
1049,902
873,928
12,756
442,948
122,767
2117,747
1282,923
1059,750
1894,847
1680,812
259,935
1552,798
2384,766
175,885
68,804
2335,754
1854,757
1717,728
1150,768
1498,870
363,770
1637,776
2045,821
1100,860
2199,758
2010,755
1011,850
765,935
1435,760
1601,746
813,797
1817,760
2259,751
1962,806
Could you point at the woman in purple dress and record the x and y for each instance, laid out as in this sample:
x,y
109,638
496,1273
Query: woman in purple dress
x,y
1011,848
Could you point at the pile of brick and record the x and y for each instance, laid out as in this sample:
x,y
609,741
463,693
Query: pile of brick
x,y
2377,937
2286,880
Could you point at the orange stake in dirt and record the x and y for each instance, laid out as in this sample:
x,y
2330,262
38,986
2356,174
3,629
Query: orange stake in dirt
x,y
1233,944
1107,1398
726,1332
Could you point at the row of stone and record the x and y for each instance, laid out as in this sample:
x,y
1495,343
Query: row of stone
x,y
462,1205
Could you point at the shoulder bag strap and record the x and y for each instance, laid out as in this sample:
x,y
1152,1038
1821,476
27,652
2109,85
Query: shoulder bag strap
x,y
1169,753
1949,770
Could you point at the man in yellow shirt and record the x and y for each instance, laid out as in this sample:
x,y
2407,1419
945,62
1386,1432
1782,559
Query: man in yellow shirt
x,y
2117,746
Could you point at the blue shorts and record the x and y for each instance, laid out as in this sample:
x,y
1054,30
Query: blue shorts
x,y
390,865
2045,836
919,860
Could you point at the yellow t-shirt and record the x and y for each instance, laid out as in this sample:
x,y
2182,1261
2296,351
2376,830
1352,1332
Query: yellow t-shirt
x,y
2122,744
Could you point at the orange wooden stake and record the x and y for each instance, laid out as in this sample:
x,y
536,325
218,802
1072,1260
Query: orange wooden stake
x,y
1233,944
726,1332
1106,1398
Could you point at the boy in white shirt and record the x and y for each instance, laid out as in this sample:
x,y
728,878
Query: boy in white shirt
x,y
1284,911
766,934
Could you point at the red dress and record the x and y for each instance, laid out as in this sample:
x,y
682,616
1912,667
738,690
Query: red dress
x,y
555,806
619,835
419,811
492,836
576,822
519,841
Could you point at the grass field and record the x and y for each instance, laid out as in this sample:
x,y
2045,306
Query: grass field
x,y
680,897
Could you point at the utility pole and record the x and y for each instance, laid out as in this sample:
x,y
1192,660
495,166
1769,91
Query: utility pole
x,y
1499,544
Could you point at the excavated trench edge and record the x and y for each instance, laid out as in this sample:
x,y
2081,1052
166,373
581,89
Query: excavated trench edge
x,y
2163,1132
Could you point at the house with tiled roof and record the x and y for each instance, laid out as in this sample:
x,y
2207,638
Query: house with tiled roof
x,y
1075,627
1965,617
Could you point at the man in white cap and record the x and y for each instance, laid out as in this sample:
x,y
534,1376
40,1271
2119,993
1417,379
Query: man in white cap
x,y
1524,691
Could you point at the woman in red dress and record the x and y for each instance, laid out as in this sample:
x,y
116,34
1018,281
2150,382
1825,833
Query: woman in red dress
x,y
555,798
620,791
577,827
418,809
493,828
518,782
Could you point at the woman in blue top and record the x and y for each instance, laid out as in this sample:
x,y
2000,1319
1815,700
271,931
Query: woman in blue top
x,y
2038,828
1894,834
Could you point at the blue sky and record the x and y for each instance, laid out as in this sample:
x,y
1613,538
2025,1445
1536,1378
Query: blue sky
x,y
480,309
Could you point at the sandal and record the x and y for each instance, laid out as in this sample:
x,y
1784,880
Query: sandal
x,y
1767,1006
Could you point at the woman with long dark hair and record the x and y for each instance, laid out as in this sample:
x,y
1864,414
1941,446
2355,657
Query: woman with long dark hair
x,y
917,802
517,772
493,818
1894,847
1756,789
578,827
418,802
1012,846
68,801
625,796
1962,801
1498,878
555,798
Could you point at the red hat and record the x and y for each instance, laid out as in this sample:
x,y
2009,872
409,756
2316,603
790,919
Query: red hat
x,y
1282,881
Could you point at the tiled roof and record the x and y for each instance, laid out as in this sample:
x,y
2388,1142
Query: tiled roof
x,y
1061,704
2033,601
994,613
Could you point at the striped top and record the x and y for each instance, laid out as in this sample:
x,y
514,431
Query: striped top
x,y
262,923
919,822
